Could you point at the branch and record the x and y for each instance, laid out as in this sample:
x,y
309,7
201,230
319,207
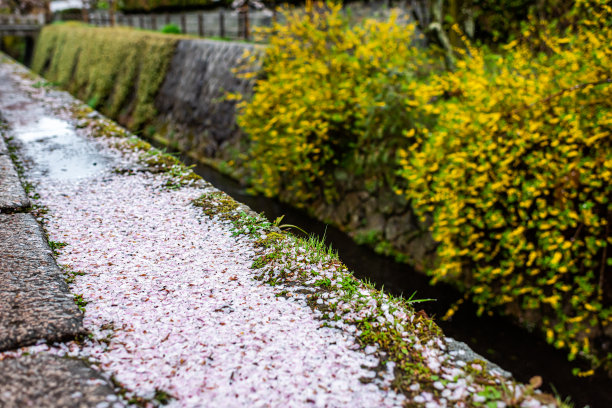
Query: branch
x,y
563,91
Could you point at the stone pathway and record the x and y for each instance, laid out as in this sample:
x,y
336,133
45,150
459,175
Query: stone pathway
x,y
35,303
35,306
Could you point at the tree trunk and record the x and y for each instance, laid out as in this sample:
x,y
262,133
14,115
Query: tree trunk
x,y
437,28
111,11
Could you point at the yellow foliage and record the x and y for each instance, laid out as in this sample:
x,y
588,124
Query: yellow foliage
x,y
323,93
516,172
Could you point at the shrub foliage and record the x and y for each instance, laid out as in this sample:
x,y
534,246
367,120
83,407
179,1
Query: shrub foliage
x,y
517,173
510,155
329,93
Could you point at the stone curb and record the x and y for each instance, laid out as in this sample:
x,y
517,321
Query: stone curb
x,y
12,195
43,380
3,148
35,302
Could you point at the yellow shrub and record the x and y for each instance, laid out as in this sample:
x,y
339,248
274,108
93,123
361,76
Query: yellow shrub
x,y
326,90
517,173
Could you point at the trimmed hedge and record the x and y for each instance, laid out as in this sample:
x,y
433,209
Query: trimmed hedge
x,y
117,70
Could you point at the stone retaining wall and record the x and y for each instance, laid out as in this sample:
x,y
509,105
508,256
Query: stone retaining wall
x,y
193,111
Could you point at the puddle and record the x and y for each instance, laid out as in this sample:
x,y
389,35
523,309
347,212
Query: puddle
x,y
57,151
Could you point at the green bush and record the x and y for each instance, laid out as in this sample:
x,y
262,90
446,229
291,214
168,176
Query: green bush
x,y
14,46
170,29
118,69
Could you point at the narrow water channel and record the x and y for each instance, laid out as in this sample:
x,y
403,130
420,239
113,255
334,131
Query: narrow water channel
x,y
522,353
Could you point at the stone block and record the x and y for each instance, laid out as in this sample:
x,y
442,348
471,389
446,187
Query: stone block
x,y
35,302
47,381
3,147
12,195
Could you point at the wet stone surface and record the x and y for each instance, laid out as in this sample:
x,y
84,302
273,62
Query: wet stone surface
x,y
34,299
3,148
12,195
35,303
60,153
43,380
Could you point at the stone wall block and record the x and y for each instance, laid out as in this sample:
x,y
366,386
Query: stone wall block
x,y
191,99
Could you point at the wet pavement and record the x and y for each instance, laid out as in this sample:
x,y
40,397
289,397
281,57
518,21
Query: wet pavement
x,y
35,303
60,153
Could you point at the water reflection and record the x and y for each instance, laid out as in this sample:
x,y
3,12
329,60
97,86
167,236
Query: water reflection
x,y
60,153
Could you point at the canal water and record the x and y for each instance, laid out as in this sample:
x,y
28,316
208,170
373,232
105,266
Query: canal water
x,y
517,350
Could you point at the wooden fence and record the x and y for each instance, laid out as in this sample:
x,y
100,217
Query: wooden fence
x,y
18,25
227,24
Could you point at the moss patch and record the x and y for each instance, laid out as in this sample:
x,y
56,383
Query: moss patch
x,y
119,70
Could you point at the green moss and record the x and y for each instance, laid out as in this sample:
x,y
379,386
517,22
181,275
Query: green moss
x,y
217,203
56,246
80,302
119,69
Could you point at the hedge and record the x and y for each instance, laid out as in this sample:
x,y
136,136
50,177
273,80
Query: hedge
x,y
117,70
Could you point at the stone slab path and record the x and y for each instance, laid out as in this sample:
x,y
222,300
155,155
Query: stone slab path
x,y
37,306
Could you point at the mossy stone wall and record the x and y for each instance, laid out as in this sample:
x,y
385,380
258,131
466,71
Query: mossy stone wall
x,y
116,70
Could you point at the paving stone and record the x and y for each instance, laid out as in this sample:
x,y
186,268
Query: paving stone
x,y
35,302
462,352
12,195
43,380
3,148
